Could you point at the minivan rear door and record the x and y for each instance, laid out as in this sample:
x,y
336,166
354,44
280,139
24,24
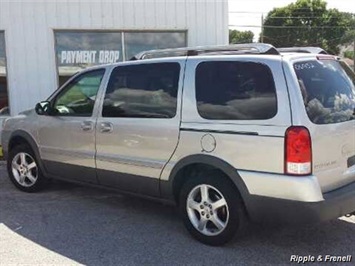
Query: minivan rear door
x,y
327,88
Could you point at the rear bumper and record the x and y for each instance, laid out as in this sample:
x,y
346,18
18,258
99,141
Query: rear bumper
x,y
335,204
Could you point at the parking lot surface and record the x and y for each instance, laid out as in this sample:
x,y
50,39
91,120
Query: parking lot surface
x,y
69,225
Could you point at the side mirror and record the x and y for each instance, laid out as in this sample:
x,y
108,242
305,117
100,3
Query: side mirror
x,y
44,108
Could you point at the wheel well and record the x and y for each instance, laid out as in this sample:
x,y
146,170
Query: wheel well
x,y
191,171
17,140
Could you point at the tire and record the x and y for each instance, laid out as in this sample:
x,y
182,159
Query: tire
x,y
24,170
213,220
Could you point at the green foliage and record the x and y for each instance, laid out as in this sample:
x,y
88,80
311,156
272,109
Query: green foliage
x,y
349,54
349,37
308,23
236,36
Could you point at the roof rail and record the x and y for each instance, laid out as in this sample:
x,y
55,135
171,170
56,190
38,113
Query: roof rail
x,y
310,50
247,48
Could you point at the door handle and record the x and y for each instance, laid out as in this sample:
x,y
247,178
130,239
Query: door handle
x,y
106,127
87,126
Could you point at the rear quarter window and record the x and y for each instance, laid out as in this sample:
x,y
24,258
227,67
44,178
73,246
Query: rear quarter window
x,y
327,88
229,90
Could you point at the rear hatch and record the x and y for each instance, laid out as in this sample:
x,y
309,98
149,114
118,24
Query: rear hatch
x,y
327,86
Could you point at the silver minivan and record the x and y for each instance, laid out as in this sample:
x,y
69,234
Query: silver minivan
x,y
227,133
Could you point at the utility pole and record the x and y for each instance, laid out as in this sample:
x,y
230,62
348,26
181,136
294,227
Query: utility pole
x,y
262,29
354,55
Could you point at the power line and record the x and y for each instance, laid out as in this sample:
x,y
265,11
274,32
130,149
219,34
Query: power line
x,y
290,27
310,44
307,27
252,12
301,17
246,12
259,12
246,26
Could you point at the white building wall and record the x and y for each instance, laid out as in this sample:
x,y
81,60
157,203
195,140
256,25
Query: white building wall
x,y
29,37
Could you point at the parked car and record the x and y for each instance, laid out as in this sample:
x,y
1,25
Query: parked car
x,y
227,133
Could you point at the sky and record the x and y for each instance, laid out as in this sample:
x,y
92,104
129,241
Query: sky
x,y
248,12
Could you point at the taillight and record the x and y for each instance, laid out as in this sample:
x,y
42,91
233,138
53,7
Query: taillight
x,y
298,151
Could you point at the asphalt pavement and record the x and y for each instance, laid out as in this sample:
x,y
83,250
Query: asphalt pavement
x,y
68,224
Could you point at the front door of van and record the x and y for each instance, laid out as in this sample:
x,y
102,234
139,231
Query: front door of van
x,y
138,128
67,139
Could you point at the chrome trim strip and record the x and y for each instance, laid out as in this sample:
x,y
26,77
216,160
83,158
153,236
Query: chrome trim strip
x,y
66,152
130,161
228,132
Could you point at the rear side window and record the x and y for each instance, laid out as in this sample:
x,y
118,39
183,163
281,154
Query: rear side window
x,y
328,90
144,91
228,90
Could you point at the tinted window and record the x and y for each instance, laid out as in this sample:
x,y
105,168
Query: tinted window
x,y
4,100
78,97
148,90
235,90
328,90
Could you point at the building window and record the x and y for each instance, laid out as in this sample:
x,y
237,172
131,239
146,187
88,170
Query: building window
x,y
136,42
4,100
76,50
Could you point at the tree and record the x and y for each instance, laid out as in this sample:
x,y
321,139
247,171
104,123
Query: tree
x,y
307,23
349,54
349,38
236,36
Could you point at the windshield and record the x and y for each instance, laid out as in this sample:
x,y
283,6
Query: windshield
x,y
328,90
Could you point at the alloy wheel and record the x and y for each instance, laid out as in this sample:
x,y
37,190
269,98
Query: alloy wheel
x,y
24,169
207,210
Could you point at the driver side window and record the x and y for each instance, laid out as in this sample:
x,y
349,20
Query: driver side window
x,y
78,97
